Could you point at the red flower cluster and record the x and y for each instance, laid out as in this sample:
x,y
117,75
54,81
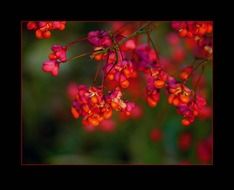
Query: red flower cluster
x,y
94,106
55,58
43,28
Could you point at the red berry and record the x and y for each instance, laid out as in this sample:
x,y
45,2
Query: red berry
x,y
47,34
31,25
185,122
39,34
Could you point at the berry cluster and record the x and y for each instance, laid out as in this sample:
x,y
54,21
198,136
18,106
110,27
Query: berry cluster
x,y
43,28
188,103
125,59
120,71
94,106
57,57
200,32
192,28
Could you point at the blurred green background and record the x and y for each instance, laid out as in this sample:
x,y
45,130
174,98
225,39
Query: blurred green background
x,y
52,136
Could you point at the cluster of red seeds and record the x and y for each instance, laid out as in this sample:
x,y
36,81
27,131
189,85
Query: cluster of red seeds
x,y
200,31
57,57
121,65
43,28
94,106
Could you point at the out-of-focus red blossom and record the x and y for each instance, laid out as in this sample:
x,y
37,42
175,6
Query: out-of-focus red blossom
x,y
156,135
184,141
205,112
173,39
57,57
89,128
190,43
205,150
133,89
107,125
72,90
43,28
121,28
185,162
178,54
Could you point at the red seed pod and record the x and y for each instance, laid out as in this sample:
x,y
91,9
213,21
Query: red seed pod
x,y
31,25
185,122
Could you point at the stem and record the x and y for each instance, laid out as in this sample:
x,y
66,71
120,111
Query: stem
x,y
75,41
153,44
136,33
195,68
77,56
198,81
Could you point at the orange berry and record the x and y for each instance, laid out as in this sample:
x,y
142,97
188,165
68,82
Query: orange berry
x,y
110,77
182,32
94,122
151,102
38,34
184,75
209,28
52,56
185,122
183,98
202,30
107,114
124,84
94,99
126,73
62,27
190,34
176,101
98,57
159,83
75,113
114,105
85,108
171,98
47,34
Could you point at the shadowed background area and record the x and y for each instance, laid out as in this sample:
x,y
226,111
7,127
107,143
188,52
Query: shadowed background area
x,y
52,136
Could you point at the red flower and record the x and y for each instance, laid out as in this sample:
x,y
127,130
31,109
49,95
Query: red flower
x,y
155,135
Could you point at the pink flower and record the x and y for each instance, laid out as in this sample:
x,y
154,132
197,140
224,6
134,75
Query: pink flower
x,y
51,66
